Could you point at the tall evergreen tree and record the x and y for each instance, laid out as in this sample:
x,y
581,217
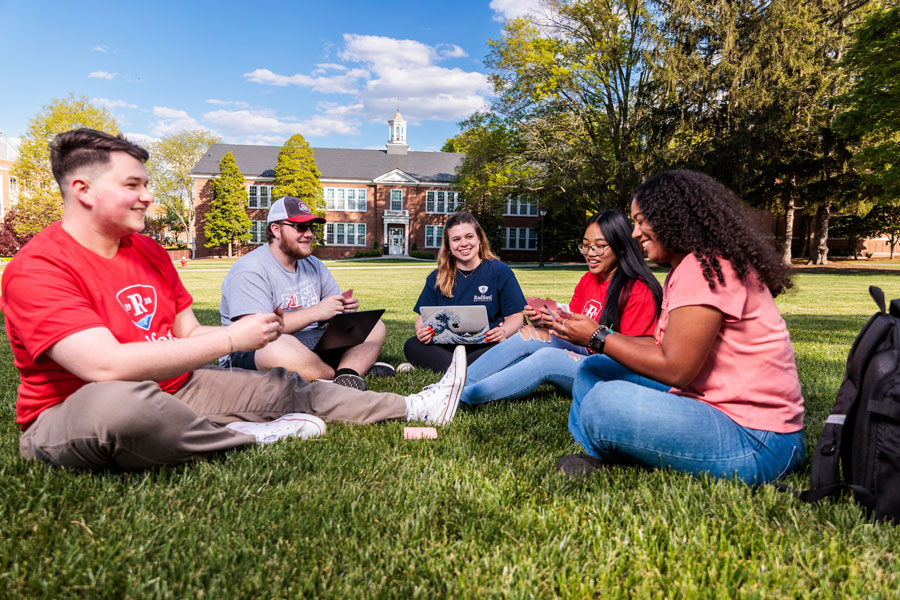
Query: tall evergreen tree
x,y
297,175
227,221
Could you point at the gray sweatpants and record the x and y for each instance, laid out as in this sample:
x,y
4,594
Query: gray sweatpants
x,y
135,425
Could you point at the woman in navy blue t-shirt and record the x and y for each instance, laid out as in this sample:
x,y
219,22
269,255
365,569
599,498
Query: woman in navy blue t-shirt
x,y
468,273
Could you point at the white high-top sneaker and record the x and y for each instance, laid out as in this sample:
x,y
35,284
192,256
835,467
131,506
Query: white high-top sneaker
x,y
298,425
437,403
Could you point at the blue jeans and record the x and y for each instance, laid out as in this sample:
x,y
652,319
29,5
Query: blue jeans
x,y
621,417
517,365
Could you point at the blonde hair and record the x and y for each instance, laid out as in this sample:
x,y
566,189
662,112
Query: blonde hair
x,y
446,271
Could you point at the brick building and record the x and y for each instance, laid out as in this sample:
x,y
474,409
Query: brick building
x,y
9,186
392,198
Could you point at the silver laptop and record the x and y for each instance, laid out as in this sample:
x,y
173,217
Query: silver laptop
x,y
466,324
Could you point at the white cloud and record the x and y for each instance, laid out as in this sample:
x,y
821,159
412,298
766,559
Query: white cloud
x,y
237,103
512,9
102,75
101,48
141,139
338,84
450,51
251,124
112,103
171,121
385,69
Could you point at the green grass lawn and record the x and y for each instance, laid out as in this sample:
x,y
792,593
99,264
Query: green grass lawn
x,y
479,512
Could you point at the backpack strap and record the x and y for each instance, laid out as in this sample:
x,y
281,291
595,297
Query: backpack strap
x,y
814,495
825,466
895,308
878,297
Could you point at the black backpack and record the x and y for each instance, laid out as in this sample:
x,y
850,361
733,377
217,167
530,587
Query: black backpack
x,y
859,448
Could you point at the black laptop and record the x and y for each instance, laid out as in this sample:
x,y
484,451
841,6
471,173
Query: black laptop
x,y
348,329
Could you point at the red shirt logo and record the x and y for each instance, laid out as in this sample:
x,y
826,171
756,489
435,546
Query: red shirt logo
x,y
139,302
592,309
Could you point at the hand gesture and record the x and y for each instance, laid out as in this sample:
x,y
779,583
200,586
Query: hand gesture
x,y
328,307
538,318
252,332
574,327
497,334
424,334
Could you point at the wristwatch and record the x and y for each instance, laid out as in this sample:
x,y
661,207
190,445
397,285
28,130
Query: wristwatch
x,y
598,339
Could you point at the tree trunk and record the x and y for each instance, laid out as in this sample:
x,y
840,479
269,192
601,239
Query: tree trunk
x,y
820,240
788,229
230,245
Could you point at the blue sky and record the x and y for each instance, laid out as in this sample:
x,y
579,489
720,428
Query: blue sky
x,y
255,72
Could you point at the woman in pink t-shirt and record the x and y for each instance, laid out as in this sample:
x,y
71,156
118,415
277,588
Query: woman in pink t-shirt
x,y
716,390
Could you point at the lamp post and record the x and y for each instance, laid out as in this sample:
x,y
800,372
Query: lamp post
x,y
543,213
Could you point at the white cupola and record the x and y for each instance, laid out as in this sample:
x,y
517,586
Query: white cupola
x,y
397,134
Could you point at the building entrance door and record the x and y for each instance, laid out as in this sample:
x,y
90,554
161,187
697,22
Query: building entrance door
x,y
395,240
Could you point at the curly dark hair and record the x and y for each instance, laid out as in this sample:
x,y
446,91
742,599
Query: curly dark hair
x,y
693,213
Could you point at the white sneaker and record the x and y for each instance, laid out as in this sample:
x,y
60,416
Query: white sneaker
x,y
292,425
404,367
437,403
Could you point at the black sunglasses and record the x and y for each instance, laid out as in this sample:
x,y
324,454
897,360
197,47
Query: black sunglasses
x,y
299,227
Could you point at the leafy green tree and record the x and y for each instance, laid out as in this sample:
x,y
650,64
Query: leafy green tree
x,y
572,84
171,160
227,221
40,202
885,218
873,102
297,175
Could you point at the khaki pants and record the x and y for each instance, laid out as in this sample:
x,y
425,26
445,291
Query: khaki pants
x,y
135,425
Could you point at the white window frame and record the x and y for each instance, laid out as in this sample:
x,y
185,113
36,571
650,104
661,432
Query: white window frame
x,y
337,234
258,232
518,205
13,191
434,234
256,199
345,199
520,238
442,202
399,193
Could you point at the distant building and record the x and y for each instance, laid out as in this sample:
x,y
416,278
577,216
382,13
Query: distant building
x,y
392,198
9,185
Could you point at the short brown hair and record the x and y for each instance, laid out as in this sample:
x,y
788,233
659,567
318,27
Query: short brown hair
x,y
77,148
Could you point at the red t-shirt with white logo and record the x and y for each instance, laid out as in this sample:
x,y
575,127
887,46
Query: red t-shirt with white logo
x,y
55,287
639,316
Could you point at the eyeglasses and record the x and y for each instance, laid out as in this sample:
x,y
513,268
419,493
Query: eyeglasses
x,y
595,248
299,227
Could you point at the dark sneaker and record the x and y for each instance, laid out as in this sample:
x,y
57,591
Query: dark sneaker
x,y
351,381
578,465
382,369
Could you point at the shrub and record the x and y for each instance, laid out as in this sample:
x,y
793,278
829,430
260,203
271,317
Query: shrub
x,y
10,241
417,254
367,253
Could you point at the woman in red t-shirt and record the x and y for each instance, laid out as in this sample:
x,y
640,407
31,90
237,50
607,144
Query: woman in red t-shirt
x,y
619,291
724,398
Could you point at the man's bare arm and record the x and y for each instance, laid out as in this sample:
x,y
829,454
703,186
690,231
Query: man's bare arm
x,y
96,355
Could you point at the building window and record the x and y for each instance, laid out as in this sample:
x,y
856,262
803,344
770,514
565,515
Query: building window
x,y
13,190
259,196
520,238
396,199
433,235
346,199
257,232
519,206
442,202
345,234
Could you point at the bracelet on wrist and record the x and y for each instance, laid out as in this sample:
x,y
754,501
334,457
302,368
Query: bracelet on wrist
x,y
598,339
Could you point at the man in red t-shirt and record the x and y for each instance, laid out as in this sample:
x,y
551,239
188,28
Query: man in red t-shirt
x,y
111,357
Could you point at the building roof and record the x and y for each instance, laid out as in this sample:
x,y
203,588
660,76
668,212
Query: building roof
x,y
337,163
